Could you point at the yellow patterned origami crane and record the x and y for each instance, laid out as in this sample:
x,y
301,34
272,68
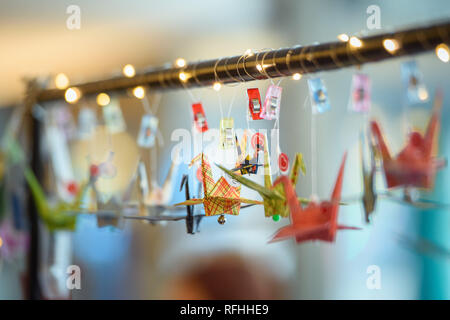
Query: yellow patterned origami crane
x,y
274,196
220,197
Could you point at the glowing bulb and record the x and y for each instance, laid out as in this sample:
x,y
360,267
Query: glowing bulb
x,y
296,76
128,71
139,92
248,52
103,99
391,45
355,42
1,242
72,95
61,81
259,67
343,37
183,76
180,62
217,86
423,94
442,52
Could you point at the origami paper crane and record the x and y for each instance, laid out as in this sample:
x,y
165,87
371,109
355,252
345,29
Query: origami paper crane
x,y
192,220
273,195
368,172
12,242
415,165
220,197
59,216
245,165
318,221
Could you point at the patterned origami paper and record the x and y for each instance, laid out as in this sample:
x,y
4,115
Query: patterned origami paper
x,y
220,197
273,195
271,107
415,165
148,130
416,91
199,117
361,93
87,122
112,115
319,95
318,221
254,104
245,164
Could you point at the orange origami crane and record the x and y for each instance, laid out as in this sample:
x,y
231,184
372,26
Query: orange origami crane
x,y
415,165
318,221
220,197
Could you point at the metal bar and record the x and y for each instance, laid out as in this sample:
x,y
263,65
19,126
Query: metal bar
x,y
275,63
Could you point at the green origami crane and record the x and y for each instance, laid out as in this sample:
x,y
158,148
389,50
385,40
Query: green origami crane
x,y
273,196
58,217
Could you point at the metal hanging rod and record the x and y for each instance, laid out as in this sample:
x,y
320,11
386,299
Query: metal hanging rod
x,y
272,63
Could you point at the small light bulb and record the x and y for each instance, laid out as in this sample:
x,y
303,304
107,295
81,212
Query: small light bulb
x,y
183,76
259,67
103,99
139,92
423,94
61,81
180,62
248,52
217,86
442,52
128,71
72,95
343,37
355,42
391,45
296,76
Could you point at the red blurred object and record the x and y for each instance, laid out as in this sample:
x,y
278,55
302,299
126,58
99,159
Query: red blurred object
x,y
94,171
254,103
258,141
72,187
415,165
318,221
199,117
283,162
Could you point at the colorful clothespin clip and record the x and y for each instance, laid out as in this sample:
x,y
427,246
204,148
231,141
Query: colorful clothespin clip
x,y
319,95
272,102
199,117
254,103
360,94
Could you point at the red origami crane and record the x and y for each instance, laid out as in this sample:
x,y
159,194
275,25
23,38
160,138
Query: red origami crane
x,y
318,221
415,165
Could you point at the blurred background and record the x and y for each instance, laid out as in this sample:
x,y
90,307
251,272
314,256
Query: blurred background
x,y
144,261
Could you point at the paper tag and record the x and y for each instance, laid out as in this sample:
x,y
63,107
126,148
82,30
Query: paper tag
x,y
227,136
254,104
87,122
319,95
112,115
272,103
64,121
148,130
416,91
360,94
199,117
